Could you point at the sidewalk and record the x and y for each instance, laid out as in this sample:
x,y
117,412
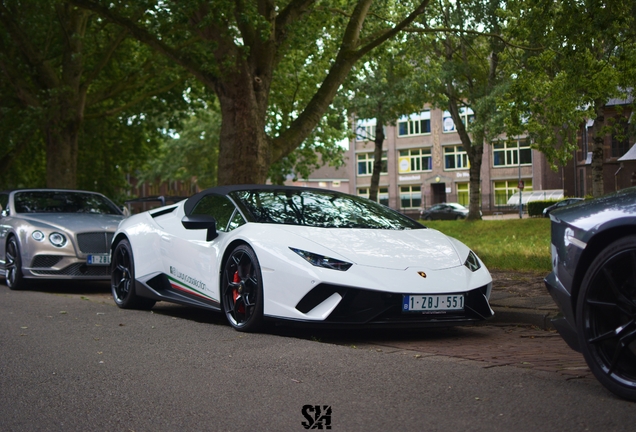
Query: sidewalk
x,y
521,298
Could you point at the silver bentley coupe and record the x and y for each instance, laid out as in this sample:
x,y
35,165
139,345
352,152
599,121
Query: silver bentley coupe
x,y
55,234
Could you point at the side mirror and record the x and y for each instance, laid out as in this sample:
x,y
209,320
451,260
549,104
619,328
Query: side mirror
x,y
126,211
197,222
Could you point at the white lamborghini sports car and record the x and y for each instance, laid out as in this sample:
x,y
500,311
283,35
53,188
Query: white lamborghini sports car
x,y
259,253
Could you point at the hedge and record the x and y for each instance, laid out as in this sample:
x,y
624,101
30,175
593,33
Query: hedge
x,y
535,208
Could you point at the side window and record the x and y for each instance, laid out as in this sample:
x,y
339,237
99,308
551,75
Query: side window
x,y
221,208
236,221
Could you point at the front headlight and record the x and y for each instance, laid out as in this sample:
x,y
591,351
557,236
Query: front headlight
x,y
38,235
57,239
323,261
472,262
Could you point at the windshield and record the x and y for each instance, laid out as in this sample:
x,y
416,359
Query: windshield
x,y
313,208
63,202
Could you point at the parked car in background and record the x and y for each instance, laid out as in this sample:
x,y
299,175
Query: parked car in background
x,y
562,203
55,234
444,211
593,281
297,255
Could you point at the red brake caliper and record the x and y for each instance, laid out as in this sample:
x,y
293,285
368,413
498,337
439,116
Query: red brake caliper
x,y
235,292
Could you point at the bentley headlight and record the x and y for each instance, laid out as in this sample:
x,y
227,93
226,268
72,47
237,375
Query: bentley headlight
x,y
323,261
472,262
38,235
57,239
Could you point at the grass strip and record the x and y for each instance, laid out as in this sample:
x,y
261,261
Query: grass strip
x,y
504,244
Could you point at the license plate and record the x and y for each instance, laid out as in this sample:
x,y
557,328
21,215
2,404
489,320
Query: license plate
x,y
98,260
444,302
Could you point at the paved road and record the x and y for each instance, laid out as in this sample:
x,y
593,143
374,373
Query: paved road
x,y
71,360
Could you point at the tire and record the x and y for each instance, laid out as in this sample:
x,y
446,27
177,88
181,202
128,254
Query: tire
x,y
123,279
242,290
13,266
606,317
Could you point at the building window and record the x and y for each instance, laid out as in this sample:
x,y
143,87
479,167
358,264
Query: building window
x,y
410,197
506,188
365,164
455,158
505,154
466,114
415,124
415,160
383,194
463,193
620,138
365,130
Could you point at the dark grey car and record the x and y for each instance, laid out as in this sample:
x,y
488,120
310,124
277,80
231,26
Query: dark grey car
x,y
593,281
55,234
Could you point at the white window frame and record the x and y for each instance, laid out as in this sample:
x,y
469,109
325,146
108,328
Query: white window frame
x,y
412,193
511,187
365,130
463,189
510,153
417,160
414,124
448,124
460,157
368,161
383,194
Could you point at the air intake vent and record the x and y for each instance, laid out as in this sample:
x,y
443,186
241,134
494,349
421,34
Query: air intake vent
x,y
45,261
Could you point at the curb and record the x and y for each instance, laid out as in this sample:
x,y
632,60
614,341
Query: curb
x,y
508,315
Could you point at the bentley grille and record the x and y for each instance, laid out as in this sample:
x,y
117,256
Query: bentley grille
x,y
96,242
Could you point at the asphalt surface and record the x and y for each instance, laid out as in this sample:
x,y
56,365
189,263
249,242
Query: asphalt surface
x,y
71,360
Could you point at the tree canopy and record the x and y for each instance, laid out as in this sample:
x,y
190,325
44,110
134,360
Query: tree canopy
x,y
275,66
60,67
587,57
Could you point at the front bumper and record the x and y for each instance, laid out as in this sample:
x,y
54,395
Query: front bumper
x,y
64,267
565,323
361,308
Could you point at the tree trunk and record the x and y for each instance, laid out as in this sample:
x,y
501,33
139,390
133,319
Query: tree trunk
x,y
475,157
244,147
377,157
597,149
475,151
61,151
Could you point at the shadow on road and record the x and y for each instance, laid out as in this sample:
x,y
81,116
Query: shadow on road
x,y
100,291
73,287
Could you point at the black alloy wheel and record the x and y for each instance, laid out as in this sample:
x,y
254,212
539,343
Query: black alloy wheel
x,y
123,279
606,317
13,266
242,290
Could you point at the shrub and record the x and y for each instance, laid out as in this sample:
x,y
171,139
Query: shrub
x,y
535,208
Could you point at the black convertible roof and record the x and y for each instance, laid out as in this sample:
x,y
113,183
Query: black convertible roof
x,y
225,190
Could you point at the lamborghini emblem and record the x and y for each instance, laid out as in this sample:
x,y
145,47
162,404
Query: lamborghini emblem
x,y
421,273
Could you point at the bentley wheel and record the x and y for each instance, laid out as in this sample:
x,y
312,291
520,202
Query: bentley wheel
x,y
606,317
13,266
123,279
242,290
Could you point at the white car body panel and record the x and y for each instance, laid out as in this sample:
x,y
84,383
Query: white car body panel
x,y
387,261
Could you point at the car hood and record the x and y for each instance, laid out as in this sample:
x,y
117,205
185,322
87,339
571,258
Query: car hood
x,y
75,222
395,249
599,214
